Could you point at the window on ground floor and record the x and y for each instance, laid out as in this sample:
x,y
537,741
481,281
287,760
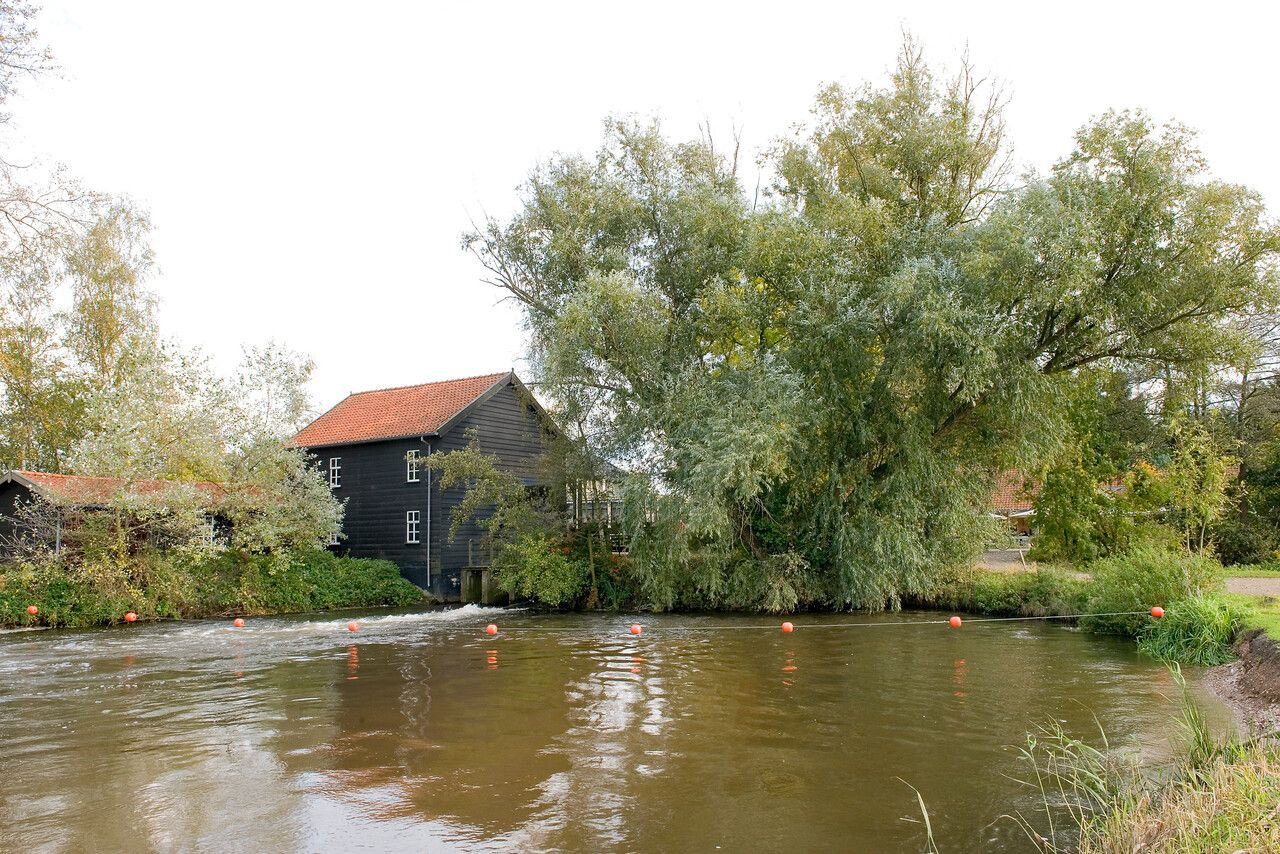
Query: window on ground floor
x,y
411,518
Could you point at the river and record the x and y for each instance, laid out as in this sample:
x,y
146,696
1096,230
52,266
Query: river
x,y
563,732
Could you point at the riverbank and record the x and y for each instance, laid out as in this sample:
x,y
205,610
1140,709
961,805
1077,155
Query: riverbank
x,y
1218,797
1250,685
167,586
1217,794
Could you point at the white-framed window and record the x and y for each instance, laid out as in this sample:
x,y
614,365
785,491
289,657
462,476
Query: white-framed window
x,y
411,467
411,518
210,532
333,537
335,472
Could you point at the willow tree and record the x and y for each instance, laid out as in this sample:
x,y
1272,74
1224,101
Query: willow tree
x,y
813,391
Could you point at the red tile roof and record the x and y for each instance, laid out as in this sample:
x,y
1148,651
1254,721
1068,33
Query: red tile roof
x,y
1011,493
81,489
394,413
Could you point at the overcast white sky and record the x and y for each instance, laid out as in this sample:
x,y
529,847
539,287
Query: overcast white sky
x,y
309,167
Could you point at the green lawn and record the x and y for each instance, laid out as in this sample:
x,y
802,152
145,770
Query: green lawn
x,y
1251,572
1264,612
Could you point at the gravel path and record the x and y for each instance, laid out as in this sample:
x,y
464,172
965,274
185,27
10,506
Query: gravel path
x,y
1254,586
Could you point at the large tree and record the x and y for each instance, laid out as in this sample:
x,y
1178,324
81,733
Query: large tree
x,y
811,390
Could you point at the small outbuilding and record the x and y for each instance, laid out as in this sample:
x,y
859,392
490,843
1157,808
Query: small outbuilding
x,y
41,509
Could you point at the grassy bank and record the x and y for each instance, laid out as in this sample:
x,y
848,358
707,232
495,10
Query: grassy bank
x,y
166,586
1263,612
1268,570
1226,803
1216,796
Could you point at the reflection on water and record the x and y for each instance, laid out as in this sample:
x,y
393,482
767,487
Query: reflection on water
x,y
561,733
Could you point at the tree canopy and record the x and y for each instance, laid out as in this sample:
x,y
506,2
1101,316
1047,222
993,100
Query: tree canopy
x,y
812,389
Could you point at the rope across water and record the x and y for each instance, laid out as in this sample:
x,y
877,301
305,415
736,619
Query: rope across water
x,y
788,627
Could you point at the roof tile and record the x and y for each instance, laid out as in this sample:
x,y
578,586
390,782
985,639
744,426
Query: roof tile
x,y
83,489
393,413
1012,492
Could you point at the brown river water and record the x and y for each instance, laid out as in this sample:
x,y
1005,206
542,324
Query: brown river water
x,y
563,733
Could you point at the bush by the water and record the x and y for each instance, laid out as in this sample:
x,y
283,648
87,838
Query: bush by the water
x,y
1047,591
534,567
170,585
1200,623
1145,576
1199,630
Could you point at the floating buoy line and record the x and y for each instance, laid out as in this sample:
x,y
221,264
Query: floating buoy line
x,y
787,626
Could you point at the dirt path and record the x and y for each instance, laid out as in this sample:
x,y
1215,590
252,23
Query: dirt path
x,y
1254,586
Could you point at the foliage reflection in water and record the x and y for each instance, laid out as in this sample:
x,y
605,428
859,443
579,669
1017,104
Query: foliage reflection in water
x,y
561,733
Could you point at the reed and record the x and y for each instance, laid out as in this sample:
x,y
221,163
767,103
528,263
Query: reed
x,y
1216,796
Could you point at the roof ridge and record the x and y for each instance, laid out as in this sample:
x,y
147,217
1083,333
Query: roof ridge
x,y
433,382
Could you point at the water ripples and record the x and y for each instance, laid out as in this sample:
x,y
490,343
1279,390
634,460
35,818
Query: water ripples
x,y
560,733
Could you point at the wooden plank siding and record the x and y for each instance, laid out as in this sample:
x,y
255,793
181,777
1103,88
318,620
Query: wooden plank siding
x,y
378,495
12,496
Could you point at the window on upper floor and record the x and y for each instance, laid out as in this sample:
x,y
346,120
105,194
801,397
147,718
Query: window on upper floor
x,y
335,472
411,467
209,530
411,518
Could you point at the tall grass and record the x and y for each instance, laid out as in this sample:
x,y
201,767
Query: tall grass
x,y
1199,630
1077,783
1216,797
1045,592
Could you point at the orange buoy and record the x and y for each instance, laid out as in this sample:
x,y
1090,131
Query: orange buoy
x,y
636,628
130,617
238,622
956,622
32,610
788,628
1157,611
353,626
491,629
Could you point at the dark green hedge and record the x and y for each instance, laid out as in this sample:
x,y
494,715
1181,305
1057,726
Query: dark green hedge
x,y
161,585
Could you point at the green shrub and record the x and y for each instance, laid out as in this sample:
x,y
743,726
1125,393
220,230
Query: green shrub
x,y
534,567
1244,540
344,582
1145,576
1045,592
1199,630
174,585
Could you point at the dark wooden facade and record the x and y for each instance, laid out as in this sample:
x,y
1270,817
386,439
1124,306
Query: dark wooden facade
x,y
13,495
374,484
